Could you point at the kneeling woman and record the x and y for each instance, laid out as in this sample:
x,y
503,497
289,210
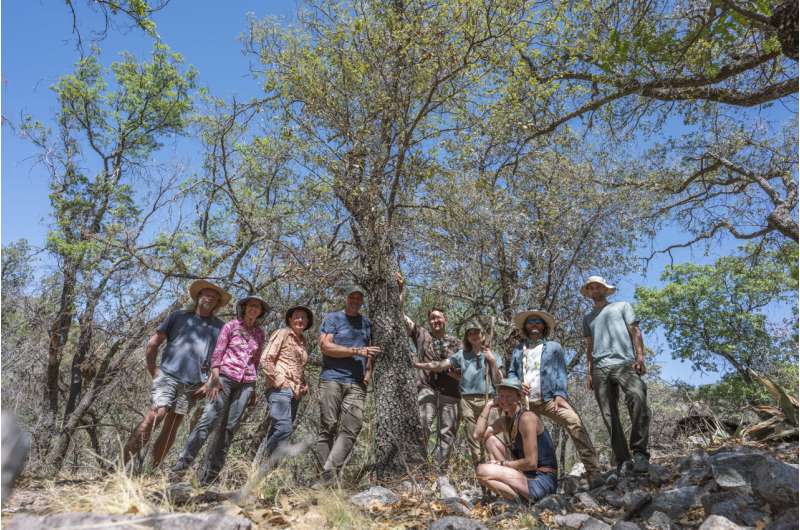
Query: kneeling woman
x,y
527,467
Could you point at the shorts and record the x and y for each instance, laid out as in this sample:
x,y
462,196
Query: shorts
x,y
171,393
542,485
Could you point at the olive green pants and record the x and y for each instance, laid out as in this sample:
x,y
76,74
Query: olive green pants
x,y
341,409
607,382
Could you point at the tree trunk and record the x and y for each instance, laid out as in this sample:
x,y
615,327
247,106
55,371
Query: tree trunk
x,y
58,333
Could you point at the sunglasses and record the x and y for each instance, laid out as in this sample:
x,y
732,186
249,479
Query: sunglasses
x,y
534,321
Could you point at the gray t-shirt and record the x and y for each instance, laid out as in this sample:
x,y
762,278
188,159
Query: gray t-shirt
x,y
190,342
608,327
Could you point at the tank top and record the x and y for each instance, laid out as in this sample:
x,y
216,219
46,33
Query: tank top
x,y
546,451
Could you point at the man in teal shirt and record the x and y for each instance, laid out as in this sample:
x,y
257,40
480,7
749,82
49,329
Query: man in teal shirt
x,y
615,357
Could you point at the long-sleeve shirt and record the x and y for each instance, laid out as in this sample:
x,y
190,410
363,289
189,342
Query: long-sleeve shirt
x,y
552,369
285,359
238,351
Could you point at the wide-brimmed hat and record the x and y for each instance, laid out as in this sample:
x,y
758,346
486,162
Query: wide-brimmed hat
x,y
198,285
301,308
242,301
512,383
473,324
520,318
610,289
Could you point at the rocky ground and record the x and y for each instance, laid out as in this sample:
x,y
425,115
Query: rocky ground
x,y
727,487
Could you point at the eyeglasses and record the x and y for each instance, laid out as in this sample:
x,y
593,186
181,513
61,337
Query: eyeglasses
x,y
534,321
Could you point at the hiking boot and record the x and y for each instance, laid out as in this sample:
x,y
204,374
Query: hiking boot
x,y
641,463
325,480
595,480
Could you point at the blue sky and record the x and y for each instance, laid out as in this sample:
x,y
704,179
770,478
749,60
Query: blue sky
x,y
38,46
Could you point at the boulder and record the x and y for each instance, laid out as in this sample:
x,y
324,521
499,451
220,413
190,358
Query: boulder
x,y
457,523
718,522
676,502
694,460
614,499
776,483
572,520
787,521
15,444
376,496
634,499
659,521
162,521
595,524
735,469
740,509
554,503
587,501
625,525
657,474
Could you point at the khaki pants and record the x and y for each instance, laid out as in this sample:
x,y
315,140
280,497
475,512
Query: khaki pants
x,y
445,412
470,407
607,383
341,408
569,419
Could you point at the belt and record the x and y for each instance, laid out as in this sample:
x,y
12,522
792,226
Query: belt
x,y
546,470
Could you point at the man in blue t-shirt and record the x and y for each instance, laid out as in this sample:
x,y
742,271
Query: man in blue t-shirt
x,y
190,337
345,338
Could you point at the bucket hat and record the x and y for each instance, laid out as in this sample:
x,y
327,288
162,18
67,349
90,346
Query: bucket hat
x,y
610,289
308,312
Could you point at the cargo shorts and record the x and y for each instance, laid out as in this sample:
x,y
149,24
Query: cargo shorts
x,y
171,393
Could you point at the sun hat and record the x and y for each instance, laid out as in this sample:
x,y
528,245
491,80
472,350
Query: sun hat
x,y
521,317
301,308
610,289
198,285
242,301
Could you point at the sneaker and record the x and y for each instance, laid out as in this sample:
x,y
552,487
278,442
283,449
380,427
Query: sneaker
x,y
641,463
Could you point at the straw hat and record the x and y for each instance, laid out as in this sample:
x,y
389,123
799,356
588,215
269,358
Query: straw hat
x,y
198,285
520,318
610,289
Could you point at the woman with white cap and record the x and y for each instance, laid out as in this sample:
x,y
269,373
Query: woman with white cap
x,y
527,466
231,386
480,372
538,364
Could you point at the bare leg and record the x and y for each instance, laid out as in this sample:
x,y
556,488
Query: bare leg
x,y
141,434
509,483
166,437
495,449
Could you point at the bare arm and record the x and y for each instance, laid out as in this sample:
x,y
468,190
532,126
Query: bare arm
x,y
529,428
331,349
434,366
589,348
494,371
638,347
151,352
482,429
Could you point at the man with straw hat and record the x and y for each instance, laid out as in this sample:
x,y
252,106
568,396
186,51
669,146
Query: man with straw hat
x,y
538,363
615,357
190,336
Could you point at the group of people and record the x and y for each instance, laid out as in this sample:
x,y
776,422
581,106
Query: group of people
x,y
458,381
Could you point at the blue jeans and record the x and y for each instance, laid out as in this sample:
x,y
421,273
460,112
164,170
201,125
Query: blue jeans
x,y
542,485
282,412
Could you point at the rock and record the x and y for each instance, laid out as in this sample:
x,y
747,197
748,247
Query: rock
x,y
587,501
577,470
693,477
406,487
659,521
717,522
595,524
456,505
625,525
554,503
446,488
696,459
658,475
776,483
739,509
15,443
457,523
572,520
614,499
676,502
735,470
570,485
787,521
179,494
163,521
633,499
375,496
471,496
